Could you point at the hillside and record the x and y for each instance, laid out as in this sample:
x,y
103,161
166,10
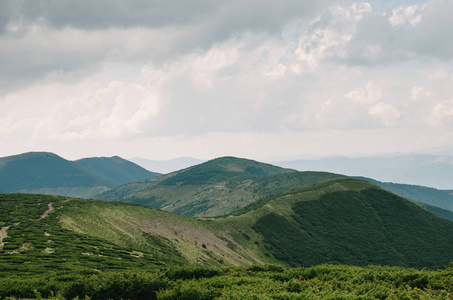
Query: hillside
x,y
439,198
48,173
346,222
339,222
214,188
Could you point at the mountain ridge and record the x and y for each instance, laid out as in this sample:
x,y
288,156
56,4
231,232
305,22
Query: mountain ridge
x,y
48,173
216,187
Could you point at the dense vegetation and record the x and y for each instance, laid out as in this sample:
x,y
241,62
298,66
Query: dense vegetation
x,y
217,187
358,228
252,282
35,244
439,198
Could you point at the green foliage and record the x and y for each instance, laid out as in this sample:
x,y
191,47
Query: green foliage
x,y
364,227
42,246
252,282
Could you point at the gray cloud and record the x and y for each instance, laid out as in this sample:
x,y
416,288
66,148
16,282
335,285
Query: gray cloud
x,y
378,41
40,37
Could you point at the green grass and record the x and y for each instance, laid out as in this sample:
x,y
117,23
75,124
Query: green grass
x,y
35,246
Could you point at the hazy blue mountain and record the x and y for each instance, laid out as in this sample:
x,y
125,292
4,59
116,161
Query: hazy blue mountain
x,y
426,170
166,166
48,173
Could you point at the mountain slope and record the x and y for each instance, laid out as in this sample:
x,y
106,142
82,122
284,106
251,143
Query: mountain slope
x,y
339,222
346,222
214,188
47,173
440,198
39,170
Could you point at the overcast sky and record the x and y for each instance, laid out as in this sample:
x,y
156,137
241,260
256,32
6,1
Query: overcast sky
x,y
203,78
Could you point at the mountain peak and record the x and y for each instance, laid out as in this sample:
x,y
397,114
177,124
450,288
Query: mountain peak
x,y
242,165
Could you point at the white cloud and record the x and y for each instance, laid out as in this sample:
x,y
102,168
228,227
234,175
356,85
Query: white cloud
x,y
441,114
366,95
411,14
386,113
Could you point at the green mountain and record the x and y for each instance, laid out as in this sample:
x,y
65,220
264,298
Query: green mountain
x,y
348,222
440,198
214,188
115,169
47,173
344,221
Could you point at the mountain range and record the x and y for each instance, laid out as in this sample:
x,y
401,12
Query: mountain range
x,y
48,173
418,169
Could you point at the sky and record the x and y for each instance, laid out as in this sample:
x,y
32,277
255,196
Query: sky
x,y
203,78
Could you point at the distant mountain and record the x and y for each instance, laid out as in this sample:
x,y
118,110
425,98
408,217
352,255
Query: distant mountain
x,y
217,187
439,198
115,169
48,173
426,170
167,166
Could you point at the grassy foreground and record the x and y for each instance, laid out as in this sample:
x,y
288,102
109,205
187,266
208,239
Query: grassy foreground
x,y
251,282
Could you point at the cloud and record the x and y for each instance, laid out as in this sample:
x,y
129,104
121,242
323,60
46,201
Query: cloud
x,y
386,113
367,95
158,71
411,14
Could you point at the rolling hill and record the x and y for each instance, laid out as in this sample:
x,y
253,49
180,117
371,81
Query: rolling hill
x,y
344,221
217,187
48,173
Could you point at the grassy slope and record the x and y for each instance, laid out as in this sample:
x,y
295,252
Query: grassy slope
x,y
346,222
92,235
217,187
341,222
36,245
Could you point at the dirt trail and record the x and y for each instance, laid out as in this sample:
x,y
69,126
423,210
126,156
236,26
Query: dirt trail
x,y
3,235
49,210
